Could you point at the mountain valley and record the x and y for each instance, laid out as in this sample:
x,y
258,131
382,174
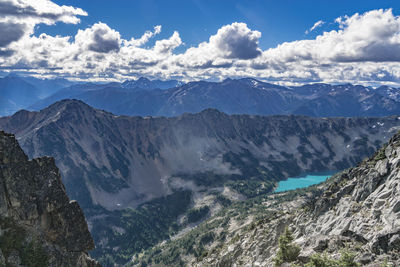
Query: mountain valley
x,y
350,220
130,173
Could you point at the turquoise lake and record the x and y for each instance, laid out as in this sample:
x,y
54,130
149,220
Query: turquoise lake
x,y
303,181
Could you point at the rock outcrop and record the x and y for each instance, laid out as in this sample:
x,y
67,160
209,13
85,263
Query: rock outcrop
x,y
357,210
39,225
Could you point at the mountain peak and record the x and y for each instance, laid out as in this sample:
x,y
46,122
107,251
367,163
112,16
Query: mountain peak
x,y
68,107
143,79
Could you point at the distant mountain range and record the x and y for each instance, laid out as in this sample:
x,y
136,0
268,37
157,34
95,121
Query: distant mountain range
x,y
146,84
242,96
18,92
169,98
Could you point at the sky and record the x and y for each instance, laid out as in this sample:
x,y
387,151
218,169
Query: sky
x,y
286,42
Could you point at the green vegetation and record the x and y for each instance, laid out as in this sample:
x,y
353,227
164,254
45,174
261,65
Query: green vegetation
x,y
385,263
212,231
379,155
225,202
34,255
288,252
212,235
192,243
254,179
14,239
140,231
322,260
133,230
195,215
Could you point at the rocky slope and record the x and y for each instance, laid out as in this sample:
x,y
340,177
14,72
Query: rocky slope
x,y
39,225
356,213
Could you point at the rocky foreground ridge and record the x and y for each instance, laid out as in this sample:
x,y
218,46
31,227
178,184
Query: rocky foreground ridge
x,y
358,209
39,225
355,213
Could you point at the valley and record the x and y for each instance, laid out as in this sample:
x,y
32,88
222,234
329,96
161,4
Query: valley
x,y
142,180
350,220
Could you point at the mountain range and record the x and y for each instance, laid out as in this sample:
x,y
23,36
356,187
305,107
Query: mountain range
x,y
232,96
126,171
21,92
146,97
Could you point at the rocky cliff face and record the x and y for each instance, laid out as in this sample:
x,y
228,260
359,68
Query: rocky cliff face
x,y
39,225
358,209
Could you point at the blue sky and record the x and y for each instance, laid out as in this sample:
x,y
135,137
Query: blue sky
x,y
279,21
286,42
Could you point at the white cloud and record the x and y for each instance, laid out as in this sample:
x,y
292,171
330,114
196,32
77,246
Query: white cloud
x,y
373,36
231,42
98,38
236,41
23,15
365,48
145,37
167,45
316,25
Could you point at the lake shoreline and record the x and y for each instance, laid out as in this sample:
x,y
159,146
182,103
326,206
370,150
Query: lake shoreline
x,y
303,181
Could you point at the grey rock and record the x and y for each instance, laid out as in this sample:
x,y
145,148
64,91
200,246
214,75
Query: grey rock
x,y
35,207
394,243
14,259
321,244
366,258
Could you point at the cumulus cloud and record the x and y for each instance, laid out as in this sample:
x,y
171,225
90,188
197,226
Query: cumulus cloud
x,y
364,48
43,11
237,41
99,38
316,25
18,17
234,42
373,36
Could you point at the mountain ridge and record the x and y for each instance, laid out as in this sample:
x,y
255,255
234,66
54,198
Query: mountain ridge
x,y
236,96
